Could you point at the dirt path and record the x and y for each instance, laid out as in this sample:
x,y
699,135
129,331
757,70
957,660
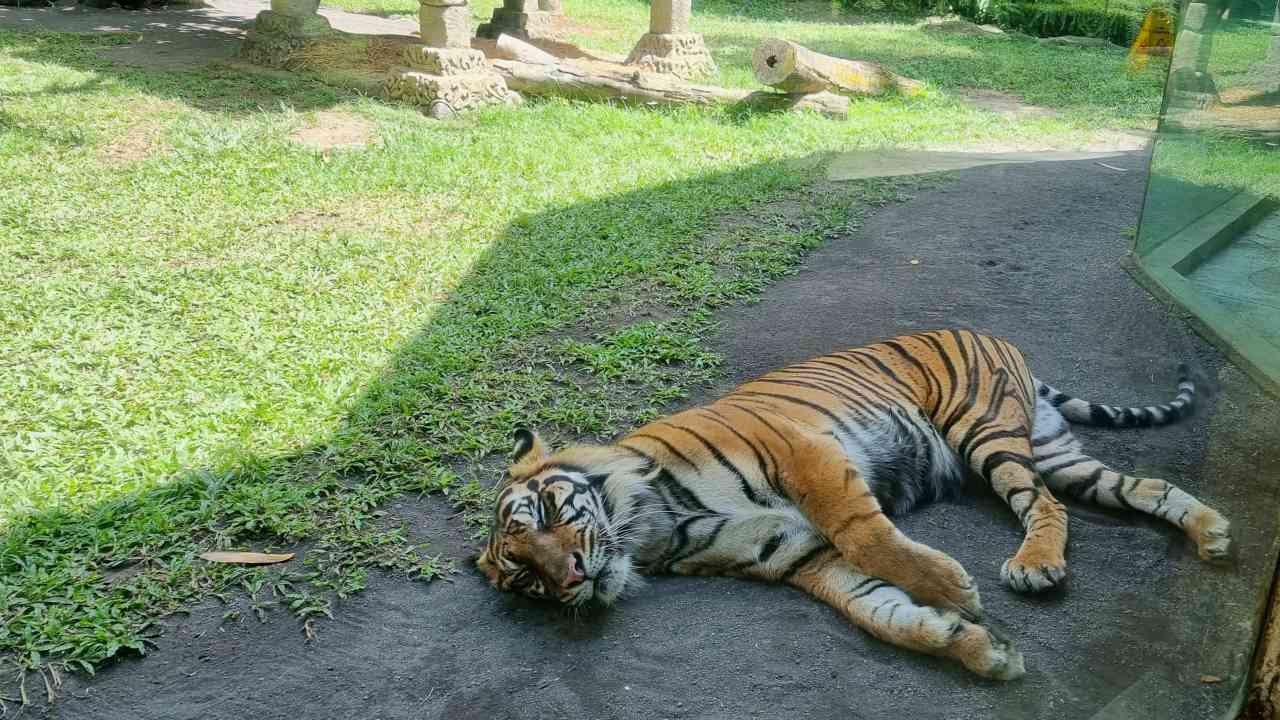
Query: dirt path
x,y
1038,261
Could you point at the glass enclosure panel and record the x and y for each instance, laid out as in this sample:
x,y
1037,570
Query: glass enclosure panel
x,y
1210,231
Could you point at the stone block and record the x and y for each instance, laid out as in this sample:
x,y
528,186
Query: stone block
x,y
524,25
446,26
551,6
670,16
445,61
1196,15
444,95
1187,50
295,8
274,37
270,22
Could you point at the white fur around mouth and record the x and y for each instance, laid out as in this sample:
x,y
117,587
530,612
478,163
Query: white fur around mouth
x,y
612,580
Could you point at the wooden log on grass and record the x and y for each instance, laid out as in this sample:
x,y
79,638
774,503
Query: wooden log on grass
x,y
796,69
601,81
510,48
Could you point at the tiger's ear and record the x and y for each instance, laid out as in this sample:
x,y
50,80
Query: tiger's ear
x,y
488,566
529,449
485,563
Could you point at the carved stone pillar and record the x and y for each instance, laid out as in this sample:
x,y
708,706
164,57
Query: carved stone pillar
x,y
669,47
277,32
1189,80
445,75
1271,66
525,19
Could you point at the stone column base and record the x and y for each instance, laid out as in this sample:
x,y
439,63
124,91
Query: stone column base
x,y
1270,69
444,81
526,25
1192,90
275,35
684,55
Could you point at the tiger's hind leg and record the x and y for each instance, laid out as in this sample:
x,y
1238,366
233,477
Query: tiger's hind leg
x,y
833,495
889,614
1065,467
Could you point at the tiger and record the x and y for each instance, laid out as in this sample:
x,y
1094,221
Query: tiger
x,y
793,478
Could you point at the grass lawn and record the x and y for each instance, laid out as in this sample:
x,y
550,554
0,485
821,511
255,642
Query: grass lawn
x,y
1217,156
1089,88
214,337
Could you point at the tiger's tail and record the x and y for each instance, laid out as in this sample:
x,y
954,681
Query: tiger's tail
x,y
1087,413
1061,461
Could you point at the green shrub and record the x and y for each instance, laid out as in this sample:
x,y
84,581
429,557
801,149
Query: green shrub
x,y
913,7
1119,25
1116,20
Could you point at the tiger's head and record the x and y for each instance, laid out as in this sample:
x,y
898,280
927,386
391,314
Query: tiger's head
x,y
562,526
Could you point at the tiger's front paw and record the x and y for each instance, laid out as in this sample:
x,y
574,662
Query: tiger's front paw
x,y
1032,575
948,586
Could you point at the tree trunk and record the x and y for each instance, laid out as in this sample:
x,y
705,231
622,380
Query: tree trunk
x,y
795,69
598,81
1264,696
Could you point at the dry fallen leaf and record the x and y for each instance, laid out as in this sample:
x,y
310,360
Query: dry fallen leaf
x,y
246,558
1210,679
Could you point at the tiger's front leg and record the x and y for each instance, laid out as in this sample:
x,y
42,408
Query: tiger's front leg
x,y
887,613
1008,464
833,495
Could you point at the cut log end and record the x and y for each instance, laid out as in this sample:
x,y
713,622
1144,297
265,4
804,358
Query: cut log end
x,y
794,69
774,60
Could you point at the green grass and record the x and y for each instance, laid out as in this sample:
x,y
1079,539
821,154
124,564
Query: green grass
x,y
1217,161
213,337
1212,156
1090,87
1238,49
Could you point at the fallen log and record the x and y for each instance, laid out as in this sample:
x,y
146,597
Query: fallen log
x,y
601,81
829,104
510,48
796,69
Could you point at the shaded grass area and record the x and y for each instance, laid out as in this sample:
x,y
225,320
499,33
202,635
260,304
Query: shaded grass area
x,y
223,339
1214,160
218,338
1118,21
1090,86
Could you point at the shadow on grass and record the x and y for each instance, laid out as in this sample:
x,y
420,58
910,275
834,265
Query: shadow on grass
x,y
642,267
224,85
829,13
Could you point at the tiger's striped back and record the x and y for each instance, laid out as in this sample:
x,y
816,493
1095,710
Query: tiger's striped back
x,y
893,405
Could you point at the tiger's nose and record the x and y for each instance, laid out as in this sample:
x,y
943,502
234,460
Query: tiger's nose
x,y
575,570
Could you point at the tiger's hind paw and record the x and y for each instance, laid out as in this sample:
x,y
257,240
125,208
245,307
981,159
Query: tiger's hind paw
x,y
986,653
1213,537
1032,577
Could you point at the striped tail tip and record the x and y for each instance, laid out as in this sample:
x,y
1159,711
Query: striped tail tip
x,y
1088,413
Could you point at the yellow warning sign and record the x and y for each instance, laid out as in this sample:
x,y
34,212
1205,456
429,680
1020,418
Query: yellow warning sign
x,y
1155,38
